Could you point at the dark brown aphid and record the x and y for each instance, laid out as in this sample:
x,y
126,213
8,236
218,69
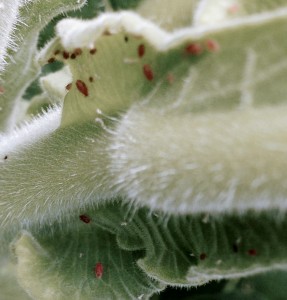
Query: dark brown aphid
x,y
68,86
86,219
91,79
78,51
51,60
81,86
126,39
252,252
141,50
93,51
235,248
57,52
202,256
5,157
66,54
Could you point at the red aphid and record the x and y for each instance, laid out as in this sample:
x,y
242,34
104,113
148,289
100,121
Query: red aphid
x,y
252,252
51,60
212,46
2,90
148,72
99,270
141,50
81,86
86,219
193,49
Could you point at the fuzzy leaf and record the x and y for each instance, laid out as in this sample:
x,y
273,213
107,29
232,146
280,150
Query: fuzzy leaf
x,y
212,12
56,84
21,68
175,88
9,12
61,264
9,287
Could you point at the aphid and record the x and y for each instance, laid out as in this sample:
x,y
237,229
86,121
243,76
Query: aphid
x,y
170,78
93,51
5,157
51,60
57,52
91,79
148,72
233,9
81,86
203,256
212,46
66,54
235,248
252,252
73,56
126,39
1,90
68,86
99,270
78,51
141,50
193,49
86,219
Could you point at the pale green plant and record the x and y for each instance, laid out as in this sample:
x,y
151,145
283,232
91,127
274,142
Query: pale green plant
x,y
155,157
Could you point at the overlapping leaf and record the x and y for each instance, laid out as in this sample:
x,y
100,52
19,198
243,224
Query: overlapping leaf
x,y
82,262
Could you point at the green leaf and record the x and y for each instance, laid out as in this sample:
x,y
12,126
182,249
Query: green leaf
x,y
271,285
60,264
124,4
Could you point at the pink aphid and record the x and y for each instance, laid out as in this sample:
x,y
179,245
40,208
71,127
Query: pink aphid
x,y
233,9
148,72
193,49
81,86
170,78
86,219
212,45
141,50
99,270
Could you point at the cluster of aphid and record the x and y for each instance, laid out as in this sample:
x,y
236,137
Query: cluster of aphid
x,y
194,49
